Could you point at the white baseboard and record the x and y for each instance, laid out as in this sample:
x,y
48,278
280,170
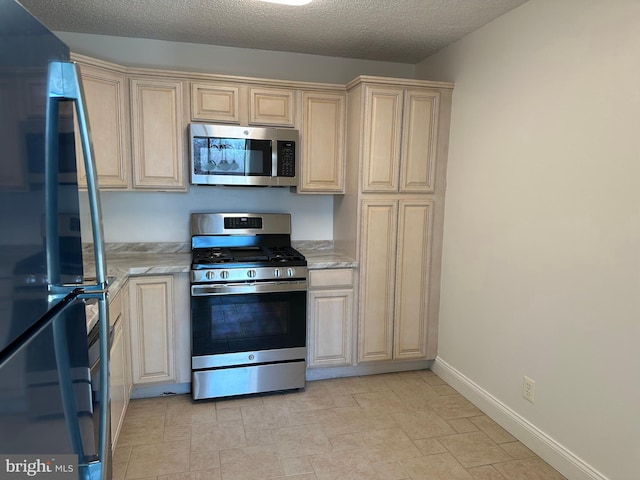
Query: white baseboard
x,y
568,464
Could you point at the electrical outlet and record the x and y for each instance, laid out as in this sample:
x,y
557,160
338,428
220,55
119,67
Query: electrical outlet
x,y
529,389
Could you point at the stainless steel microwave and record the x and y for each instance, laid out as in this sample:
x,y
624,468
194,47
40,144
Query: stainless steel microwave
x,y
232,155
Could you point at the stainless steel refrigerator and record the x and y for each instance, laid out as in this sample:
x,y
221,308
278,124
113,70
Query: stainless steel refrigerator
x,y
54,395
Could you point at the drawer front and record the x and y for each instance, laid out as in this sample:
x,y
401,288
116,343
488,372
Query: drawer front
x,y
339,277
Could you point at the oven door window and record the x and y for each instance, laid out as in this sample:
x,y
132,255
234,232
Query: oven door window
x,y
232,156
248,322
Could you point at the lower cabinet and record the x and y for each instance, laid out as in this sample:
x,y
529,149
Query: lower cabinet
x,y
394,279
151,306
120,365
330,324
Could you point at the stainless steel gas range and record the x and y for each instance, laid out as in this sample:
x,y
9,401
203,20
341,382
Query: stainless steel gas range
x,y
248,305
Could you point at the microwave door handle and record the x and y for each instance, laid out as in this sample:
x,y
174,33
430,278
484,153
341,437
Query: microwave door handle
x,y
64,84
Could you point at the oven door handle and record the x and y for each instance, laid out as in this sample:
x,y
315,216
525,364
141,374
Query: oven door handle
x,y
204,290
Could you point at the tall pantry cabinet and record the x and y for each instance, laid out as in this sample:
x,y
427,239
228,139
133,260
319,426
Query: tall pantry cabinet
x,y
390,218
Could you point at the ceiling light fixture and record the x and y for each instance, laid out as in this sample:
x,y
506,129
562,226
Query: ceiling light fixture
x,y
297,3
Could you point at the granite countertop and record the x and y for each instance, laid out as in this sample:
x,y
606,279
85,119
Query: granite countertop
x,y
125,260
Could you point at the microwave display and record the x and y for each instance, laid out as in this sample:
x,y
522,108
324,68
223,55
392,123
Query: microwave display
x,y
232,155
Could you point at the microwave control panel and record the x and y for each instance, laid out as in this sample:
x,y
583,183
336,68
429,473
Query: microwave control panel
x,y
286,159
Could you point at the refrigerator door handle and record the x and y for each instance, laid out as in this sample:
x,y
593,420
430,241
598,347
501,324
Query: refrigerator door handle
x,y
63,84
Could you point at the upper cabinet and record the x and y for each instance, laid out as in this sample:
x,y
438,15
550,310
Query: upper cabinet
x,y
211,102
322,142
107,104
399,138
271,106
157,134
241,104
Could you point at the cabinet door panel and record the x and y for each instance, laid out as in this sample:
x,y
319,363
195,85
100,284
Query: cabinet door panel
x,y
270,106
157,134
106,100
117,384
418,163
378,253
330,327
412,274
323,142
383,125
219,103
151,321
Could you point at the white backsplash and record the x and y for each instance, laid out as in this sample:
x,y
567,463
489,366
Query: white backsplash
x,y
130,217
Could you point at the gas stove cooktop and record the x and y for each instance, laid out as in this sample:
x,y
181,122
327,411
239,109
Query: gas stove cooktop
x,y
238,257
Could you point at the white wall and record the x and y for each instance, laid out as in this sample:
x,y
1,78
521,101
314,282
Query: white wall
x,y
163,217
541,257
141,52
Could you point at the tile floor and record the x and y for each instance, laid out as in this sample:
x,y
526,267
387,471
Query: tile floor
x,y
408,425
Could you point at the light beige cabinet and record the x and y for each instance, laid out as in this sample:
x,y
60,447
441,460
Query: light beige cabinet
x,y
390,218
322,142
151,319
400,139
395,265
330,317
107,105
242,104
157,133
120,365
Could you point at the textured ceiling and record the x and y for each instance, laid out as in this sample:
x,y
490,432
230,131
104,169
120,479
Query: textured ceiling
x,y
404,31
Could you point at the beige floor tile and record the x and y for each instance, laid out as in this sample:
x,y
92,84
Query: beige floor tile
x,y
147,407
338,421
517,450
390,470
121,454
176,432
302,440
276,415
423,424
528,469
158,459
379,402
254,463
388,445
485,472
140,430
313,400
429,446
444,390
454,406
474,449
494,431
118,471
346,386
212,474
229,413
435,467
204,461
380,427
347,465
462,425
296,465
212,437
258,436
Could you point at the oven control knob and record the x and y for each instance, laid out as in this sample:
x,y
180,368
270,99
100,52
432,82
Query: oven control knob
x,y
210,275
291,272
224,274
251,273
276,272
